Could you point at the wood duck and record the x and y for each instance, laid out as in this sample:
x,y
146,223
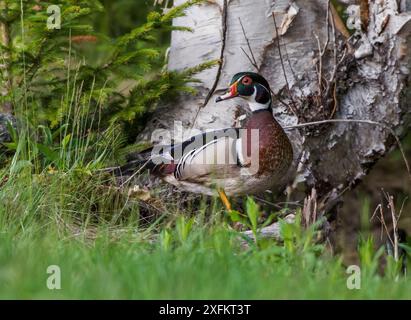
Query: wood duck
x,y
233,161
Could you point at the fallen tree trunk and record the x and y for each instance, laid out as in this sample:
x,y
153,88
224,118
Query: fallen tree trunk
x,y
317,71
272,232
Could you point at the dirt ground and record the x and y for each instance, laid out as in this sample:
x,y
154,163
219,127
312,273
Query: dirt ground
x,y
390,175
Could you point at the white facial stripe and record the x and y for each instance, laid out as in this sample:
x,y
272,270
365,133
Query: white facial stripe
x,y
239,150
265,88
254,105
237,80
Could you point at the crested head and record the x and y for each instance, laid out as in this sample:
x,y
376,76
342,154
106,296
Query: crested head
x,y
251,87
254,76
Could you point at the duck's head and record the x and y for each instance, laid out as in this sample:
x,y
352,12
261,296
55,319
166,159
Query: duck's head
x,y
251,87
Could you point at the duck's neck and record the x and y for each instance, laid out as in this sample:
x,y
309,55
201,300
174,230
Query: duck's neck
x,y
256,107
260,118
260,100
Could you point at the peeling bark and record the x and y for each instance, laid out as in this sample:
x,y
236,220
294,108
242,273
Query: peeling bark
x,y
365,77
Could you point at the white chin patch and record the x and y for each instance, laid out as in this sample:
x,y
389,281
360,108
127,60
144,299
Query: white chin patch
x,y
254,105
258,106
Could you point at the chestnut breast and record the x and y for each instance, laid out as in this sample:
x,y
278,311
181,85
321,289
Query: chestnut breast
x,y
275,152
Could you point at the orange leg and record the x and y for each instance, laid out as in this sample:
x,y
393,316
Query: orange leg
x,y
224,199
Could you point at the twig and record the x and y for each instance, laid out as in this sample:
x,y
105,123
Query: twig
x,y
327,19
268,203
135,173
291,68
320,67
249,59
282,65
370,122
220,66
309,211
321,53
392,236
394,218
335,101
333,76
382,221
253,61
278,205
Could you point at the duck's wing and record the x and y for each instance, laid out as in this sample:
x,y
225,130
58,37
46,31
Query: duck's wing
x,y
216,158
200,156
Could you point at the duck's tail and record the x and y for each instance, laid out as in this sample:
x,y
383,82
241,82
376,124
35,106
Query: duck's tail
x,y
137,162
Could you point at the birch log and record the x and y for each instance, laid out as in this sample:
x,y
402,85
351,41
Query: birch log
x,y
320,74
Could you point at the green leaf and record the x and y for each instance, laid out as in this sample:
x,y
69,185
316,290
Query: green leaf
x,y
65,141
166,239
252,213
184,227
405,247
237,216
12,131
56,133
12,146
48,137
48,153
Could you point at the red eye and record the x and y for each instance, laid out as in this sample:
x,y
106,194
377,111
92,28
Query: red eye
x,y
247,81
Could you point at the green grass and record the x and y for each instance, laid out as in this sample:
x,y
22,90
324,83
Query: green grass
x,y
58,210
108,247
207,266
51,219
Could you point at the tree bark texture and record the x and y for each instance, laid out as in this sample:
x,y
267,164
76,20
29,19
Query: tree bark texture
x,y
5,72
317,71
